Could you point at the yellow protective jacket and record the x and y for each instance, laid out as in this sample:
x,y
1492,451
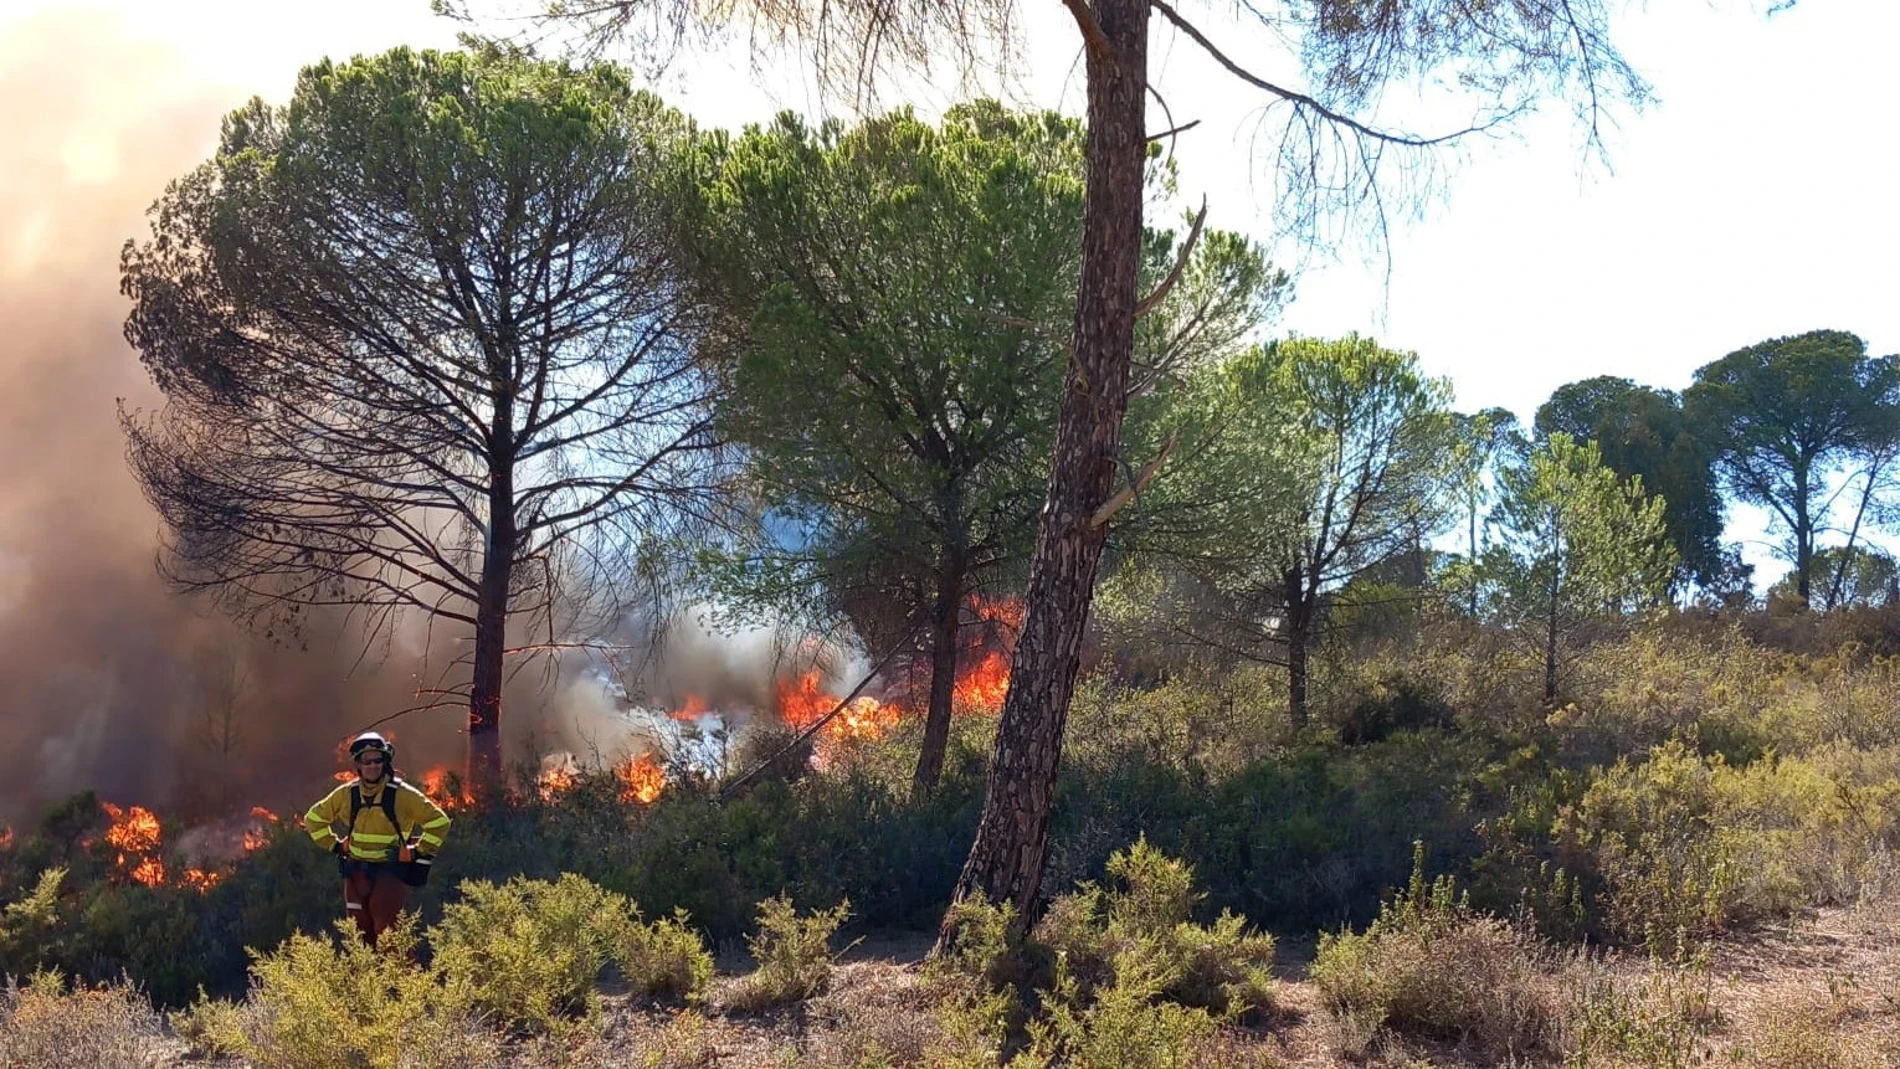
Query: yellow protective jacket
x,y
373,839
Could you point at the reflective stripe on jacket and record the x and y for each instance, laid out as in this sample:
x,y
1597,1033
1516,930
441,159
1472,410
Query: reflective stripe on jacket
x,y
373,839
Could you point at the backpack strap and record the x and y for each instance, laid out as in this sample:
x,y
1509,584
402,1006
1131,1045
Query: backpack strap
x,y
388,799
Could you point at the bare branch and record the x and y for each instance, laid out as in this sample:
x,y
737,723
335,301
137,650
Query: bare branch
x,y
1128,493
1303,100
1174,130
1147,304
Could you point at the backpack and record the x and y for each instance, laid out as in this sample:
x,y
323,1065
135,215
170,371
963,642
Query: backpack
x,y
413,873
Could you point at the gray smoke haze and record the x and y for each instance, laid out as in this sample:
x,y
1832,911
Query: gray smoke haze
x,y
111,681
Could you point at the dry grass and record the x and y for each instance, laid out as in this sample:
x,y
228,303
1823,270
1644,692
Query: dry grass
x,y
1820,991
45,1026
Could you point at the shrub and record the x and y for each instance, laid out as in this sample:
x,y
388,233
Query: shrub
x,y
528,951
982,948
27,927
1129,1024
665,958
1395,702
1433,966
316,1004
1144,917
1656,1022
1686,845
794,955
45,1026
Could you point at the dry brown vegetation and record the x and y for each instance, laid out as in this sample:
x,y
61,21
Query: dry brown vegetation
x,y
1818,991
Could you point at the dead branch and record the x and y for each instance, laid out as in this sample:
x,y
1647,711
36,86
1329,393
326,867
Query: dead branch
x,y
1147,304
1173,130
1092,36
1128,493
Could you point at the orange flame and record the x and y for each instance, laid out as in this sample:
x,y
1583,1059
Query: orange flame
x,y
985,683
6,836
343,777
694,708
555,781
134,830
149,871
642,779
865,718
200,880
803,701
258,835
435,784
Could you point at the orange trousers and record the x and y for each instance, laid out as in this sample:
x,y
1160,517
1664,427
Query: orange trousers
x,y
374,898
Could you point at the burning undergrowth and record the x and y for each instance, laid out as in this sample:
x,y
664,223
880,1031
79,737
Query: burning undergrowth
x,y
200,856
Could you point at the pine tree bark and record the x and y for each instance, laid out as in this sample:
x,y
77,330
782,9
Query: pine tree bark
x,y
1550,649
1299,635
485,772
1012,838
944,633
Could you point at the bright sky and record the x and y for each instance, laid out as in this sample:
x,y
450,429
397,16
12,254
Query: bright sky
x,y
1756,198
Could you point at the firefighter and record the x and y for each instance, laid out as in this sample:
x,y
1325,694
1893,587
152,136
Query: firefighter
x,y
393,832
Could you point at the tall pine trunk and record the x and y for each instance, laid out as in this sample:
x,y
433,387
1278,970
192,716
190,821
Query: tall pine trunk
x,y
1299,635
1803,535
1012,837
485,772
1550,647
944,633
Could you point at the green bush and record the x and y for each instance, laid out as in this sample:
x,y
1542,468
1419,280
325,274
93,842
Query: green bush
x,y
666,958
1395,702
1686,845
1129,1024
1142,918
528,952
317,1004
983,945
28,926
793,954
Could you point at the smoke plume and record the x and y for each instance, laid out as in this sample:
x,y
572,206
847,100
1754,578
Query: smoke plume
x,y
113,682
